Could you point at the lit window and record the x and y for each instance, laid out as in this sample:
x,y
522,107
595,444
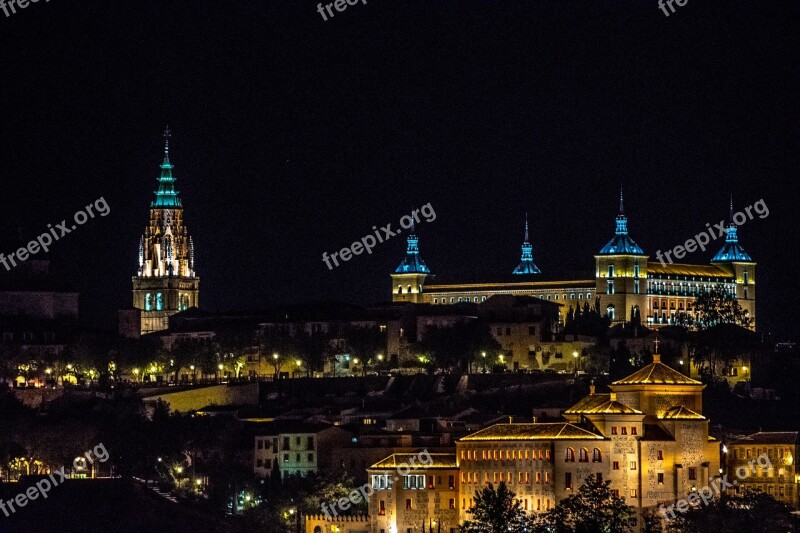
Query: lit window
x,y
569,456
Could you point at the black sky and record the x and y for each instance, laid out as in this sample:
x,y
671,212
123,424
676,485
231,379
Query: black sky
x,y
293,136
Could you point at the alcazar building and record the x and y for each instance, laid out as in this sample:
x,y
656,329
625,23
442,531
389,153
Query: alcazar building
x,y
628,285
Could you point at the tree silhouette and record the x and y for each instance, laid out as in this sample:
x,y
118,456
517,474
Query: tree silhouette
x,y
496,511
593,509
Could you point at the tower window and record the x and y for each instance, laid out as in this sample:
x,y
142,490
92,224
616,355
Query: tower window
x,y
746,277
148,302
399,289
159,301
409,289
610,288
610,271
636,271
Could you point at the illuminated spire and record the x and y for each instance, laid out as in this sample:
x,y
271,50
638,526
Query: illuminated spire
x,y
621,243
731,250
166,195
526,264
412,263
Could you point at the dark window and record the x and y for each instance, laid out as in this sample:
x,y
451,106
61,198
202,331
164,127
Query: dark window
x,y
285,443
508,331
660,478
260,444
382,508
310,443
568,480
408,504
452,503
451,482
660,455
633,431
692,473
596,456
615,465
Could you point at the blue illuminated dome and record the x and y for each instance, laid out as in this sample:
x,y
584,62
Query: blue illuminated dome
x,y
526,264
621,243
412,263
732,250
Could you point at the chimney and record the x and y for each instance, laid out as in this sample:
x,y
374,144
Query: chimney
x,y
591,388
534,419
613,397
656,358
510,419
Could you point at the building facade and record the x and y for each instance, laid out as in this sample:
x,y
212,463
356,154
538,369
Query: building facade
x,y
782,479
626,284
166,282
296,448
647,436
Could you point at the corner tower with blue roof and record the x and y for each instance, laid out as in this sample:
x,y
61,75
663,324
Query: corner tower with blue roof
x,y
621,274
733,259
408,279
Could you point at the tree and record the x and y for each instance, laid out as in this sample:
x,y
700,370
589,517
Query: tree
x,y
718,306
750,511
593,509
459,345
496,511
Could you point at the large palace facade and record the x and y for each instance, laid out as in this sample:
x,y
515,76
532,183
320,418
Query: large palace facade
x,y
647,436
626,284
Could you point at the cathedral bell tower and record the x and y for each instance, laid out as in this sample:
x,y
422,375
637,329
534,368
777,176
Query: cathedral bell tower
x,y
166,282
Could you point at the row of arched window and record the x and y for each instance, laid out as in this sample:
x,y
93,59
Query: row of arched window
x,y
583,455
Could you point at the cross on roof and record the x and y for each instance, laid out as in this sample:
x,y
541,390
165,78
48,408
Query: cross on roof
x,y
656,343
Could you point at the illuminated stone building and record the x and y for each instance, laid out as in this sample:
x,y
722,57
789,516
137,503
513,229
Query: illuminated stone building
x,y
408,493
647,436
625,284
166,282
780,481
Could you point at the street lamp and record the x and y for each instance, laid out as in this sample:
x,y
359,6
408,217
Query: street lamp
x,y
575,356
483,354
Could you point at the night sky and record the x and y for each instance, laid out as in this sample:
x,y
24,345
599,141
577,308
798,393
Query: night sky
x,y
293,136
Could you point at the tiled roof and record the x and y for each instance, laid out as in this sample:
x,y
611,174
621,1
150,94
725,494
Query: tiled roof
x,y
557,430
769,437
613,407
588,402
678,269
657,373
417,461
679,412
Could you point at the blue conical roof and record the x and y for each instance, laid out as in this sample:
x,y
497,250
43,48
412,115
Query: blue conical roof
x,y
731,250
412,263
166,195
621,243
526,264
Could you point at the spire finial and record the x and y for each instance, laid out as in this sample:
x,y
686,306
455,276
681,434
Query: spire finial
x,y
413,225
731,209
167,135
526,226
656,343
621,202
